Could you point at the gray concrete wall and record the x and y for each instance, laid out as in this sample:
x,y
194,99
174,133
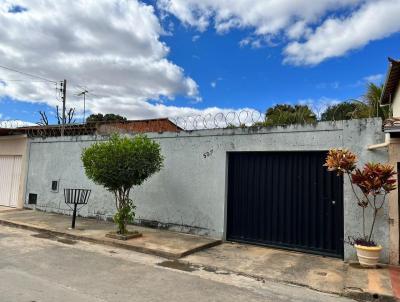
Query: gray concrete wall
x,y
189,194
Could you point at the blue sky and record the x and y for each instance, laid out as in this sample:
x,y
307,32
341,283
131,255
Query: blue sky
x,y
256,77
187,67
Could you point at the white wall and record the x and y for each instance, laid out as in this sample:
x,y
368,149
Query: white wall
x,y
17,145
396,103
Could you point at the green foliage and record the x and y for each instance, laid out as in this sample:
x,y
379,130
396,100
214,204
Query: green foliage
x,y
233,126
109,117
341,111
125,214
121,163
94,118
372,99
368,106
288,114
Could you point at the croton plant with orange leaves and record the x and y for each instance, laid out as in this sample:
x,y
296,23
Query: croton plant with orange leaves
x,y
341,161
375,181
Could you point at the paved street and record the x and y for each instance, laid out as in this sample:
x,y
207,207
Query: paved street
x,y
40,268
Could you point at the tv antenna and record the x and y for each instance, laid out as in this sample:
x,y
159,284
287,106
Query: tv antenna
x,y
83,93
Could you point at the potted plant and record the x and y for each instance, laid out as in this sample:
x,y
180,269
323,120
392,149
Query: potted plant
x,y
375,181
120,164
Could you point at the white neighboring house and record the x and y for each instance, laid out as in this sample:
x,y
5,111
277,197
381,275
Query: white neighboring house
x,y
391,90
13,163
391,97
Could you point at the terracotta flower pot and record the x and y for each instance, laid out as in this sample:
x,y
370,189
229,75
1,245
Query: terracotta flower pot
x,y
368,256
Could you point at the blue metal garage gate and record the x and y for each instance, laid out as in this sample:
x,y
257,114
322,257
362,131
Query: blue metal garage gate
x,y
285,199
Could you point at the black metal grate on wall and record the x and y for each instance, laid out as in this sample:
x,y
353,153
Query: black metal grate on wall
x,y
285,199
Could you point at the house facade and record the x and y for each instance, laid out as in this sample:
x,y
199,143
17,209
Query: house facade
x,y
264,186
391,97
13,168
391,89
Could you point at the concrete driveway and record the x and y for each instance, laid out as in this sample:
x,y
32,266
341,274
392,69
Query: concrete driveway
x,y
316,272
45,268
320,273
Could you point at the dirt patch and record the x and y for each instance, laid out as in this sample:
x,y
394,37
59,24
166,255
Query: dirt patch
x,y
66,241
215,271
175,264
45,236
187,267
54,238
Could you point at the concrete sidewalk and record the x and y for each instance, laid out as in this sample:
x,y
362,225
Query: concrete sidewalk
x,y
7,209
316,272
162,243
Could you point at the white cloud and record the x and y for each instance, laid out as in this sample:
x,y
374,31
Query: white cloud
x,y
374,78
265,16
336,36
112,47
244,42
298,30
14,123
253,42
313,30
319,105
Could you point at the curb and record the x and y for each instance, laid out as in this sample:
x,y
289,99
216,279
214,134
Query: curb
x,y
110,242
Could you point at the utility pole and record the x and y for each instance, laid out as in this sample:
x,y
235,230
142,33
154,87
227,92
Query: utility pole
x,y
64,99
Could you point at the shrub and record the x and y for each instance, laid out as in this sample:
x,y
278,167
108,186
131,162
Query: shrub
x,y
375,181
118,165
109,117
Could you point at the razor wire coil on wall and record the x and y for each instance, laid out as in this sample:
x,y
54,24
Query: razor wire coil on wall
x,y
231,119
218,120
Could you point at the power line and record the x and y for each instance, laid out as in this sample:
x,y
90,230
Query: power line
x,y
27,81
27,74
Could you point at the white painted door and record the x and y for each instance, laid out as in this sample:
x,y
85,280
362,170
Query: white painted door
x,y
10,175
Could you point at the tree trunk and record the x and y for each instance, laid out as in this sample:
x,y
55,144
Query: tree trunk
x,y
373,224
122,202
